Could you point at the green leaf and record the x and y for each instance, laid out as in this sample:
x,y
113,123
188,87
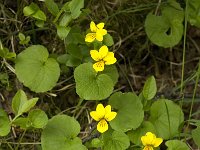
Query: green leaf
x,y
20,104
74,50
38,118
115,140
130,112
72,61
111,71
18,100
39,15
176,145
108,40
4,123
90,85
52,7
35,70
27,105
194,12
75,6
166,117
135,135
69,60
4,53
24,123
166,30
66,19
195,135
96,142
74,36
21,36
31,9
150,89
63,31
39,23
60,133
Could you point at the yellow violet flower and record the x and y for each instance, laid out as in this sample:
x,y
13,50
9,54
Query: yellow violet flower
x,y
97,32
150,141
103,57
103,115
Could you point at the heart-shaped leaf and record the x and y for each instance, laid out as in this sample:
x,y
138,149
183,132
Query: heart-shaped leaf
x,y
130,112
165,30
176,145
90,85
135,135
166,117
60,133
35,70
115,140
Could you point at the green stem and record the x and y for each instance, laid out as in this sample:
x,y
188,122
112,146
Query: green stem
x,y
184,49
194,93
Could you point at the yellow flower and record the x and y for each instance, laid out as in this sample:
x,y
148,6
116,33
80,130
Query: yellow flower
x,y
150,141
97,32
103,57
103,115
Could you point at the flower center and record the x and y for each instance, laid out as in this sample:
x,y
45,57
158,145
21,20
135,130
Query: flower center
x,y
103,123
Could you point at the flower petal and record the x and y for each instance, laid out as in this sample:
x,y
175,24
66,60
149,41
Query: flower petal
x,y
148,147
103,51
110,116
95,115
102,126
100,110
110,58
99,35
93,26
100,25
95,55
148,138
90,37
108,109
103,31
98,66
157,142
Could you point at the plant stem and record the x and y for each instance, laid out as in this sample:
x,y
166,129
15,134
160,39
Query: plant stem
x,y
184,49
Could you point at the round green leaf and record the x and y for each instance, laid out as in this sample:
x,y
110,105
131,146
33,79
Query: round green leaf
x,y
165,30
135,135
166,117
196,135
176,145
35,70
194,12
90,85
60,133
130,112
115,140
4,123
38,118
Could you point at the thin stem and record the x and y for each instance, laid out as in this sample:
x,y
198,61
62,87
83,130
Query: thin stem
x,y
193,96
184,49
